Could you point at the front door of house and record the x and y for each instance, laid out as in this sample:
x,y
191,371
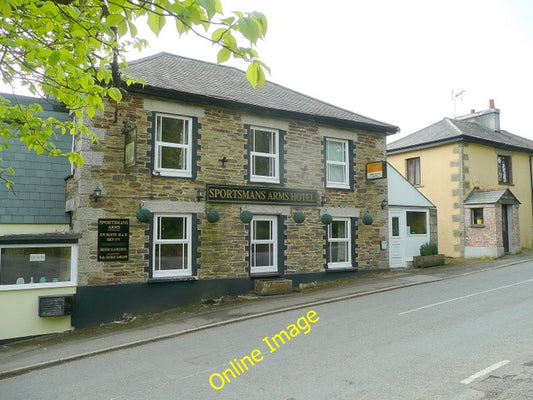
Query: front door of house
x,y
396,240
505,227
263,244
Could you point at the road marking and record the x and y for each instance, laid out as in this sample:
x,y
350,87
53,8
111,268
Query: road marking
x,y
485,371
465,297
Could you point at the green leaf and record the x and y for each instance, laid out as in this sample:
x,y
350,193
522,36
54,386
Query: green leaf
x,y
249,28
114,19
223,55
54,57
115,94
156,23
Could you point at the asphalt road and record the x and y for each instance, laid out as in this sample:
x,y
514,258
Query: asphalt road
x,y
439,340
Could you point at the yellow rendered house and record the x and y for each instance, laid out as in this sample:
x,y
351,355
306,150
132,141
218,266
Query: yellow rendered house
x,y
478,176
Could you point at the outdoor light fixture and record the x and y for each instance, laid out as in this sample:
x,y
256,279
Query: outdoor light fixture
x,y
128,126
384,203
323,200
97,193
200,193
223,160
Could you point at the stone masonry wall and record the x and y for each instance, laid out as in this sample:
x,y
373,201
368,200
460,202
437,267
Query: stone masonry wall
x,y
223,245
369,194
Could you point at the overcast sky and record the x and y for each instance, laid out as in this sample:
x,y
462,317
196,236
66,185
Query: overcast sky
x,y
395,61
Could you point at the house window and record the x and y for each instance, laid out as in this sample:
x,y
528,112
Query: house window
x,y
264,155
26,266
173,145
395,226
172,246
339,244
416,222
337,164
505,170
413,171
476,216
263,244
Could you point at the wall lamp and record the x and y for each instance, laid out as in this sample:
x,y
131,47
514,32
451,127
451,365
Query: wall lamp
x,y
323,200
384,203
223,160
97,193
200,194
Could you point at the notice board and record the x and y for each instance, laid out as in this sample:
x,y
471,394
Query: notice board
x,y
113,239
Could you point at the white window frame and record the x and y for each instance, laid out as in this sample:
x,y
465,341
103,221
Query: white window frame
x,y
414,177
187,241
345,164
38,285
347,240
159,144
273,240
274,156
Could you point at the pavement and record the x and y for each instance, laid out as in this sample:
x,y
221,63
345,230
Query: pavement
x,y
24,356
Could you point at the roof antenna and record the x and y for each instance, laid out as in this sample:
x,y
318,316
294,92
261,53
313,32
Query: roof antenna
x,y
454,99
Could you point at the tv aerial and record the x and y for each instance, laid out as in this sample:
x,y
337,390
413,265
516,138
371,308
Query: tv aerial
x,y
454,99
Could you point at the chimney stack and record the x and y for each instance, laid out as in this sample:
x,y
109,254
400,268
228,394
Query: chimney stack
x,y
489,119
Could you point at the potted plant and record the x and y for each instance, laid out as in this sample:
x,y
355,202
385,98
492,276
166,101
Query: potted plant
x,y
429,256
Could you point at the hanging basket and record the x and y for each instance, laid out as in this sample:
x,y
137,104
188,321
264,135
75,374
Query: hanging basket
x,y
326,218
298,217
143,215
367,219
246,216
213,216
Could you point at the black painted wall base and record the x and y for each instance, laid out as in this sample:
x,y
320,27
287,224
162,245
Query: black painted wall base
x,y
97,304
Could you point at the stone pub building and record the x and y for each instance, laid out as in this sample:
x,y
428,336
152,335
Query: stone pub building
x,y
198,185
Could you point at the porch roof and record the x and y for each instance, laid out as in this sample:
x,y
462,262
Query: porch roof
x,y
491,196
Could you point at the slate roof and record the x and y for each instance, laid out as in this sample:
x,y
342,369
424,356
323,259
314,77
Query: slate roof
x,y
491,196
450,130
182,78
39,181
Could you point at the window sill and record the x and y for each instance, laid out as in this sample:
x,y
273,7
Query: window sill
x,y
165,174
342,269
333,187
265,275
173,279
477,226
37,286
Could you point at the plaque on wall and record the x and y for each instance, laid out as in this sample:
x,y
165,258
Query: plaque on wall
x,y
113,239
130,145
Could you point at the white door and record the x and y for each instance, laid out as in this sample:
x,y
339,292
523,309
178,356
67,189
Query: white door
x,y
396,239
263,244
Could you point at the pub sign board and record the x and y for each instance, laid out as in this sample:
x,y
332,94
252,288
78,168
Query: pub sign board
x,y
113,239
251,194
376,170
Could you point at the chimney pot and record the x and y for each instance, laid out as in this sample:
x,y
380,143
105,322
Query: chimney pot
x,y
491,103
472,111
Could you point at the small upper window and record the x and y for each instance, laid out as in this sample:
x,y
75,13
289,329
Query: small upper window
x,y
505,171
413,171
337,165
477,216
264,155
173,145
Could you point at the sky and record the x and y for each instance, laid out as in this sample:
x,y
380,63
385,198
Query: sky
x,y
400,62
